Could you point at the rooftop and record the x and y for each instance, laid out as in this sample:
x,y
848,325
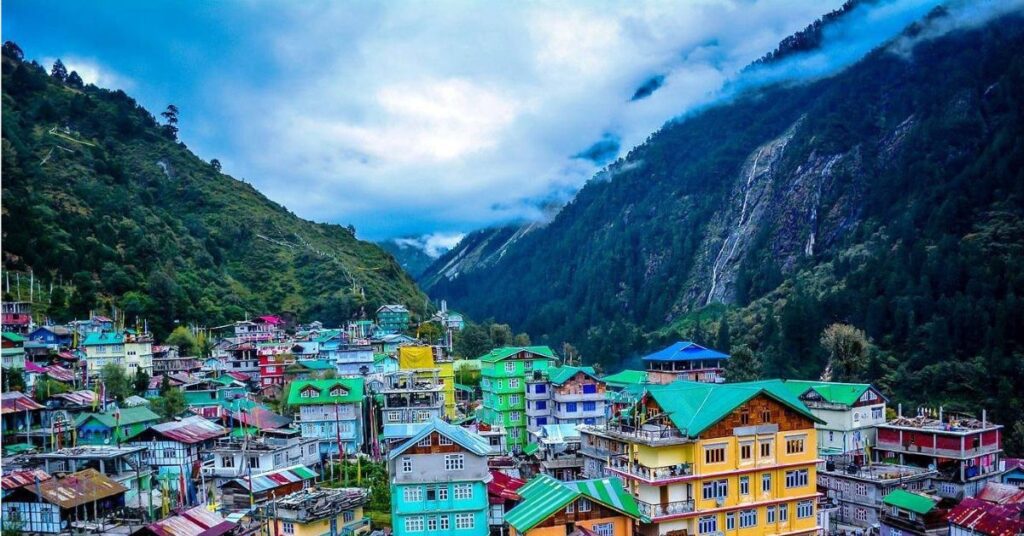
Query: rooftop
x,y
685,351
951,424
913,502
543,496
880,472
89,452
312,504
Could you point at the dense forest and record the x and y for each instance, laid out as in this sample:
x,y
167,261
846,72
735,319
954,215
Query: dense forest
x,y
889,197
108,209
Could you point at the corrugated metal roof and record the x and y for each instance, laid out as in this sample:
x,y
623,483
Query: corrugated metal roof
x,y
543,496
274,479
503,487
14,401
626,377
505,352
83,397
18,479
60,373
684,351
262,418
190,430
913,502
402,430
467,439
199,521
558,433
987,518
78,488
997,493
560,375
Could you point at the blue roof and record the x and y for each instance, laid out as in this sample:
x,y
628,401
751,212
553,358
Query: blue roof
x,y
685,351
402,430
468,440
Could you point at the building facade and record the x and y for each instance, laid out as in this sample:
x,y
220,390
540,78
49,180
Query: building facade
x,y
330,411
504,372
851,412
685,360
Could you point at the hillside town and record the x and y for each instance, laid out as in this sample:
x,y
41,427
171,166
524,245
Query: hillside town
x,y
276,429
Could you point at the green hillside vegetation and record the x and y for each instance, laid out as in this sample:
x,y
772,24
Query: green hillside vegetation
x,y
100,196
919,241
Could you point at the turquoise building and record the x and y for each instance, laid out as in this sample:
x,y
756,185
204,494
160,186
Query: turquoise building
x,y
438,483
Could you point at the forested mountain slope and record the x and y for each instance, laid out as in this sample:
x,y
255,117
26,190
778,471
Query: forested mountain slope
x,y
889,196
99,196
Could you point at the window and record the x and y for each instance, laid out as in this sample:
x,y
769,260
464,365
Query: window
x,y
804,509
431,523
406,464
744,417
796,479
604,529
527,365
766,416
464,521
227,461
540,388
748,518
584,505
571,508
744,485
746,451
311,449
730,521
414,524
168,453
513,383
783,513
541,404
454,462
794,445
589,388
590,406
766,449
570,407
425,442
876,413
707,524
254,462
514,416
716,489
513,400
462,491
412,494
444,441
714,454
443,521
510,367
766,482
861,514
288,528
769,514
338,391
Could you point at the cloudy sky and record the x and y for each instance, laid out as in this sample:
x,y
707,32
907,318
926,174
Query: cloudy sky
x,y
425,118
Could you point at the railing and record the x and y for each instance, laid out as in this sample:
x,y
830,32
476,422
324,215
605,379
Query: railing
x,y
924,449
646,433
577,397
562,463
579,413
621,464
598,452
666,509
355,526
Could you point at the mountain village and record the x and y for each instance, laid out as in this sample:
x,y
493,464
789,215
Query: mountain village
x,y
369,428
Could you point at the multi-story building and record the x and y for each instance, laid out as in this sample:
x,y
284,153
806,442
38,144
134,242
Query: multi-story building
x,y
966,452
850,411
392,319
138,353
102,348
353,359
274,358
237,357
17,317
52,337
858,490
913,514
167,360
245,491
705,458
564,395
685,360
412,396
124,465
558,450
503,374
62,505
330,411
318,511
235,457
115,426
13,350
259,329
439,482
176,450
432,358
550,507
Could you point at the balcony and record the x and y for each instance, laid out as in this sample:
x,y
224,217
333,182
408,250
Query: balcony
x,y
361,526
577,397
913,448
600,453
579,413
654,475
648,434
660,511
563,462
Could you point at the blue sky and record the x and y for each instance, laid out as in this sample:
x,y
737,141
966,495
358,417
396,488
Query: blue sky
x,y
425,118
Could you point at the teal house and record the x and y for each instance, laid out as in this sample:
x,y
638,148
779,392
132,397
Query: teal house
x,y
438,482
114,426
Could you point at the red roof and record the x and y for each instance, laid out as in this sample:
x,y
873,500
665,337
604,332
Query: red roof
x,y
18,479
240,376
503,488
265,419
84,397
34,368
987,518
60,373
67,355
271,319
997,493
198,521
190,430
15,401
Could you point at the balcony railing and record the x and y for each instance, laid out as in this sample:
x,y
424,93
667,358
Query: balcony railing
x,y
598,452
356,527
666,509
644,434
577,397
621,464
934,451
579,413
562,463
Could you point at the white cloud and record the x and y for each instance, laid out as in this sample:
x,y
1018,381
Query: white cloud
x,y
92,72
434,245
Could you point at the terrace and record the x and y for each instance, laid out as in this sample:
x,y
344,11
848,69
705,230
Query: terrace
x,y
655,475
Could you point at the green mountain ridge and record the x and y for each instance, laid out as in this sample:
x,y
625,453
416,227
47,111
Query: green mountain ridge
x,y
97,195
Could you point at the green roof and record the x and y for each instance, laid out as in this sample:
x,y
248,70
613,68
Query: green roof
x,y
105,337
505,352
377,358
315,364
18,448
13,337
910,501
327,335
846,394
465,388
530,448
626,377
694,407
560,375
134,415
543,496
321,389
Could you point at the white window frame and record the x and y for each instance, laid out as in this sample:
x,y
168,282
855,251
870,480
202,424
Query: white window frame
x,y
464,521
406,464
462,492
414,524
412,494
454,462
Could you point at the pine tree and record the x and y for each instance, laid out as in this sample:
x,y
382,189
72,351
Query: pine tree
x,y
59,72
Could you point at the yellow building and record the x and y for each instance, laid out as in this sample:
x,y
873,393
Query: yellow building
x,y
428,359
731,459
317,511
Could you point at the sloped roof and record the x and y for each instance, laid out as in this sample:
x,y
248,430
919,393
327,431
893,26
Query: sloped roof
x,y
315,364
464,438
353,388
327,335
503,487
274,479
17,479
77,489
694,406
60,373
130,415
82,397
14,401
402,430
556,433
626,377
987,518
998,493
190,430
198,521
560,375
684,351
104,337
262,418
544,496
13,337
846,394
505,352
912,502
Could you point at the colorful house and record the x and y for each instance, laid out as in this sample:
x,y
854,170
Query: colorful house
x,y
319,511
553,508
13,350
908,513
428,361
851,412
52,337
704,457
439,482
114,426
17,316
50,506
392,319
685,360
331,411
975,517
138,353
503,382
564,395
264,486
176,450
102,348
